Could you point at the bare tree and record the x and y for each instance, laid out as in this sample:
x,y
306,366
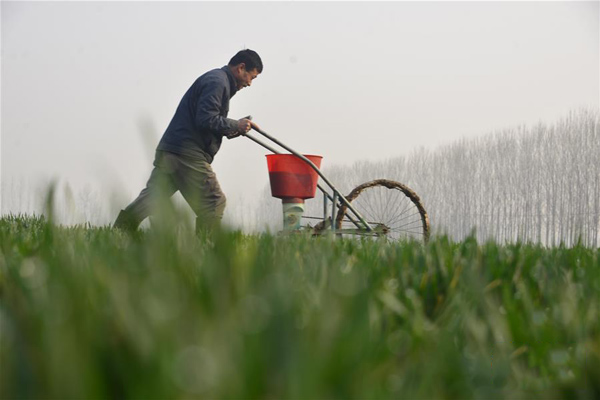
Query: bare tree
x,y
536,184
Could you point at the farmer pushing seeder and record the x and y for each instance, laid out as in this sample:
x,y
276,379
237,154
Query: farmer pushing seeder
x,y
193,138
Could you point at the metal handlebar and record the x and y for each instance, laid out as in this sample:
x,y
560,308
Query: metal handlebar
x,y
313,166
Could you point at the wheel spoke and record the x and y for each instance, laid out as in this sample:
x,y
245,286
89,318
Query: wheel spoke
x,y
397,206
412,232
366,210
408,216
408,205
410,222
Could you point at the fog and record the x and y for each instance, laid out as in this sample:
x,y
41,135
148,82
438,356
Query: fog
x,y
537,184
87,88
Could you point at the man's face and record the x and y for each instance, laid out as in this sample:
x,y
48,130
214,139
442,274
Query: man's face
x,y
244,78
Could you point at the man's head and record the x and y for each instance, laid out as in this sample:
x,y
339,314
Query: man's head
x,y
245,66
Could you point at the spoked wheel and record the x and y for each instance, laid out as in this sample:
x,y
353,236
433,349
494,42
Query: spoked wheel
x,y
392,208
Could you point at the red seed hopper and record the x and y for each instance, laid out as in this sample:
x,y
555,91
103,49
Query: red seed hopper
x,y
291,177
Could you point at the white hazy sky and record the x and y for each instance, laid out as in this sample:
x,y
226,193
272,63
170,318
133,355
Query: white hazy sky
x,y
87,88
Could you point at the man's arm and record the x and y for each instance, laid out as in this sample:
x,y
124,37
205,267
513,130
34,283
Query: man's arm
x,y
208,110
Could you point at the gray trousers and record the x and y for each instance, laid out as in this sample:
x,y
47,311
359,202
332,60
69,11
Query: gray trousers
x,y
193,177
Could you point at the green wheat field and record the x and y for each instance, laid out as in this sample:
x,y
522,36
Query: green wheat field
x,y
90,312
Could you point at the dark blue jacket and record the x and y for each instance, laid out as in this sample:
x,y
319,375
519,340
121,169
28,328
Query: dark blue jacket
x,y
198,126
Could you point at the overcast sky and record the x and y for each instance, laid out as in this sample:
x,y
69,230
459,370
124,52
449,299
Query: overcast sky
x,y
87,88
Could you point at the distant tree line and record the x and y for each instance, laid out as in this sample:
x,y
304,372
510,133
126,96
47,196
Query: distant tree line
x,y
539,184
70,205
531,183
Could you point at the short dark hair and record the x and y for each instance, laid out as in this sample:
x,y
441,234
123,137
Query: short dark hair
x,y
248,57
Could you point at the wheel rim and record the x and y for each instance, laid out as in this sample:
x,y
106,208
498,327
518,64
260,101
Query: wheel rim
x,y
393,206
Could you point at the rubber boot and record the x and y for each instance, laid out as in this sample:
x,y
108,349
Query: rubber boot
x,y
126,222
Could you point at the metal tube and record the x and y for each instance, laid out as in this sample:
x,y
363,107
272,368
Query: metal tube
x,y
324,207
314,167
333,204
324,192
266,146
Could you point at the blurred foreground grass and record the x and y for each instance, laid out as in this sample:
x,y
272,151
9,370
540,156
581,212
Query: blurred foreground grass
x,y
94,313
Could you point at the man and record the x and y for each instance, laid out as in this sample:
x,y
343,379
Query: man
x,y
188,146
